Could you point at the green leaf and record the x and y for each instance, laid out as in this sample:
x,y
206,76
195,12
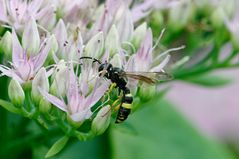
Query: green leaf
x,y
209,80
163,133
57,147
97,148
10,107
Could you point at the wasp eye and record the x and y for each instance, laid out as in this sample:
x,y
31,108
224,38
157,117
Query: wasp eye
x,y
101,67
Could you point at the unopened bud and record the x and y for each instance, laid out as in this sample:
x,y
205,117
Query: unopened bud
x,y
203,5
180,14
139,34
101,121
116,61
112,43
44,106
59,78
39,81
49,20
158,19
54,44
31,38
6,44
54,48
75,120
16,93
94,48
218,17
229,6
146,92
125,26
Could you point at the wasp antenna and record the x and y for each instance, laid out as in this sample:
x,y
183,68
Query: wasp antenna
x,y
91,58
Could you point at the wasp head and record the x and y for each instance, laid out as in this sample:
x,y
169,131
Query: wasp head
x,y
105,69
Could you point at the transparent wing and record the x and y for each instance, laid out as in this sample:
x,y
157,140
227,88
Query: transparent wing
x,y
148,77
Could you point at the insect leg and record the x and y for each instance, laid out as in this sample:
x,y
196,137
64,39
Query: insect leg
x,y
113,106
112,86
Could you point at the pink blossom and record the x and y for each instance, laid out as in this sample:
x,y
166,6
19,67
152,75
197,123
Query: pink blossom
x,y
26,61
79,100
18,12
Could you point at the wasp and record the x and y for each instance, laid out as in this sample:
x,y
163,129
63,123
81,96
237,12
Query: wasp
x,y
119,77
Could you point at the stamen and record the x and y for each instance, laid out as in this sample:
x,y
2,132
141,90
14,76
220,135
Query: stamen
x,y
168,51
159,38
131,45
43,29
180,62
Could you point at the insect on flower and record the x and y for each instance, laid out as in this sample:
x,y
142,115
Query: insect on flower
x,y
119,79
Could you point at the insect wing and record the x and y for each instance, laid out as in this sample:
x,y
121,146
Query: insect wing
x,y
148,77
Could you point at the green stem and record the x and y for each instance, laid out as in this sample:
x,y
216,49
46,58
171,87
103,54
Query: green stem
x,y
190,72
208,57
229,58
202,69
10,107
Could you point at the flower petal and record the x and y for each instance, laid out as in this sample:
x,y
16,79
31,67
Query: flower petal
x,y
60,82
54,100
146,46
94,48
46,17
97,93
125,26
8,72
113,5
3,12
142,10
34,6
73,92
116,61
41,57
60,33
161,65
39,81
25,70
112,41
139,34
130,66
81,116
17,50
31,38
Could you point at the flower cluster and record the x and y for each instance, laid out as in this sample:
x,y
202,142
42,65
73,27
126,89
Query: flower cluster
x,y
43,43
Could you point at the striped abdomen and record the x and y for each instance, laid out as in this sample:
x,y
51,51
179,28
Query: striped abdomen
x,y
125,108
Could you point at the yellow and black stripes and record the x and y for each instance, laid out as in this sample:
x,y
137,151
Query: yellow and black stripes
x,y
126,106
